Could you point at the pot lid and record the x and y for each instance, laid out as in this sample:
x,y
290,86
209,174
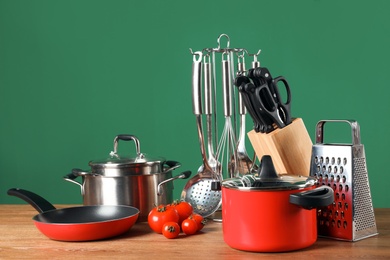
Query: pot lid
x,y
116,161
268,179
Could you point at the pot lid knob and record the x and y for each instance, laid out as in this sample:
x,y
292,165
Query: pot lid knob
x,y
267,169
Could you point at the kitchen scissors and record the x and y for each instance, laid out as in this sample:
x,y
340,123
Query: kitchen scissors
x,y
271,102
270,108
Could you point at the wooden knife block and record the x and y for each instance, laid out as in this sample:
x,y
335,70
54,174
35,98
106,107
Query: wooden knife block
x,y
290,147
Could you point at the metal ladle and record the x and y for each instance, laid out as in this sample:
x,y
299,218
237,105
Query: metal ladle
x,y
244,164
212,160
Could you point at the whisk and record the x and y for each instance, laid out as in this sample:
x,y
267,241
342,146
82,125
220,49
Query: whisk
x,y
227,143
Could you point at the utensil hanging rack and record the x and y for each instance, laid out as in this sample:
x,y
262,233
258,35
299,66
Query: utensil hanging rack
x,y
227,142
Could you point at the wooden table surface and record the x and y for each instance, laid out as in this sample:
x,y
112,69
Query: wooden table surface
x,y
20,239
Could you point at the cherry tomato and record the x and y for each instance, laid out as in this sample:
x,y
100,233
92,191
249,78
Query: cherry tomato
x,y
160,215
200,221
189,226
171,230
184,209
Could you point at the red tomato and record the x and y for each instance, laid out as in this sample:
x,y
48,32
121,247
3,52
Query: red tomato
x,y
160,215
200,221
189,226
171,230
184,209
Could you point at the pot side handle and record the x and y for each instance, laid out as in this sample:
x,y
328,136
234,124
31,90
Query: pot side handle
x,y
318,197
171,166
183,175
73,175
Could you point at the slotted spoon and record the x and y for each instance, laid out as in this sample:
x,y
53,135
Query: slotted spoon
x,y
198,190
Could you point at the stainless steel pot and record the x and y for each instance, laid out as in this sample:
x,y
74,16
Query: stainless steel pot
x,y
141,182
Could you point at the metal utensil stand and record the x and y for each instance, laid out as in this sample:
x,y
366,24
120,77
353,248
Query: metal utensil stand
x,y
230,158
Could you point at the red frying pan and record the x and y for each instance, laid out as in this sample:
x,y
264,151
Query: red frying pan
x,y
82,223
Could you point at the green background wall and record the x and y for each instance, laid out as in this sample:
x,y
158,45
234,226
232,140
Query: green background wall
x,y
73,74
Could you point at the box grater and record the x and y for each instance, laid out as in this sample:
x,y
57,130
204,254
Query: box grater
x,y
343,167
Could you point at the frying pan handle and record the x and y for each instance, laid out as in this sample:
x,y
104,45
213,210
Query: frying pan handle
x,y
318,197
39,203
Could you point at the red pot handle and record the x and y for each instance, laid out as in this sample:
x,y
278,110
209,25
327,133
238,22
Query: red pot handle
x,y
318,197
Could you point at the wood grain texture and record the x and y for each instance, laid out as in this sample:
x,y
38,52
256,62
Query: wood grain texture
x,y
290,147
21,240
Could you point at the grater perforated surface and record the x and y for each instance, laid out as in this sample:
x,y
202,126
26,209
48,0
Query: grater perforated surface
x,y
332,165
362,197
351,216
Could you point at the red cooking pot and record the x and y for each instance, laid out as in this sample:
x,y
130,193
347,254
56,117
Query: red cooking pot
x,y
272,213
82,223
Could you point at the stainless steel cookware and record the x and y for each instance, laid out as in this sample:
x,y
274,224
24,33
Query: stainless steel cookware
x,y
343,167
198,190
139,181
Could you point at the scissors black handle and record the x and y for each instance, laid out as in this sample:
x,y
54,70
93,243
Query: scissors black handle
x,y
263,74
268,106
284,107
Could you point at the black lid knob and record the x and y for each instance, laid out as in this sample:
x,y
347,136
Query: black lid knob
x,y
267,169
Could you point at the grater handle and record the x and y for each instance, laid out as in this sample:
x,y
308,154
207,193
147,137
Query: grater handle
x,y
354,127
